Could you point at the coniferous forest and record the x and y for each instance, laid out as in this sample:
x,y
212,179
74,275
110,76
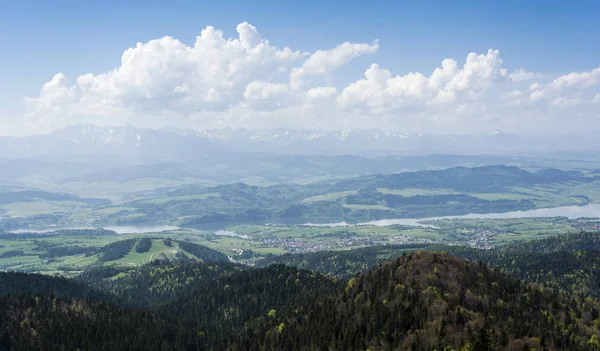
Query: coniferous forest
x,y
538,295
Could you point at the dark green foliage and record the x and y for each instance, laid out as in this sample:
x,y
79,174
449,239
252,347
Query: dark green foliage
x,y
143,245
116,250
158,282
222,307
14,283
69,251
426,301
570,262
94,275
49,323
202,252
12,253
421,301
342,264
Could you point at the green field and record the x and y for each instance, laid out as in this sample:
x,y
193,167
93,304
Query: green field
x,y
23,209
416,191
203,204
257,241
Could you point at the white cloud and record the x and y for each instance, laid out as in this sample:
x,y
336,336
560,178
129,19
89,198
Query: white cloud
x,y
165,74
566,89
259,90
246,81
325,62
267,96
565,101
321,93
521,75
381,92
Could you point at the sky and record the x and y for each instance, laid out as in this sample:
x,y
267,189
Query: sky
x,y
443,67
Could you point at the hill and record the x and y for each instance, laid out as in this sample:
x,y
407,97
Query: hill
x,y
48,323
137,251
323,199
343,263
16,283
157,282
426,301
453,191
570,262
420,301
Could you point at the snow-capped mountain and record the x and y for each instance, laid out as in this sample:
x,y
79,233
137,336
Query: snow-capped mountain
x,y
172,143
107,140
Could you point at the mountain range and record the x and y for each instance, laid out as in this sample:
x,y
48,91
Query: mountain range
x,y
172,142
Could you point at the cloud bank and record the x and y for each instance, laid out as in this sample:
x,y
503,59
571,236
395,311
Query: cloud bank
x,y
248,82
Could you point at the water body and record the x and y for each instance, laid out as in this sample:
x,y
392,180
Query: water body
x,y
230,233
132,229
571,212
121,229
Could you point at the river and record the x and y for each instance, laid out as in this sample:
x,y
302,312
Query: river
x,y
571,212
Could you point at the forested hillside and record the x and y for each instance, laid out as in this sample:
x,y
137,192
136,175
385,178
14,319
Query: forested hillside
x,y
342,264
48,323
15,283
419,301
570,262
157,282
427,301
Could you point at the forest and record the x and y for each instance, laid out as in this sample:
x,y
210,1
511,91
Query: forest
x,y
410,297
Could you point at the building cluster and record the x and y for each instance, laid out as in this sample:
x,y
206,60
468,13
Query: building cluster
x,y
300,246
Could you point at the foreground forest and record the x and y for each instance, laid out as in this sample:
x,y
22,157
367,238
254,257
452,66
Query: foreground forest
x,y
408,297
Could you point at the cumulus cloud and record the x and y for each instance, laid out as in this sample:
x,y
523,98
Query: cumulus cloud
x,y
246,81
321,93
380,91
521,75
569,89
165,74
325,62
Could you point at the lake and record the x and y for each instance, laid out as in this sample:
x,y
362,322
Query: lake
x,y
121,229
571,212
230,233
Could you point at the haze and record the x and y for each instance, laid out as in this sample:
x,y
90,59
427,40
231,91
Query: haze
x,y
315,175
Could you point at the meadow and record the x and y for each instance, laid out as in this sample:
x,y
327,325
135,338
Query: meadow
x,y
72,253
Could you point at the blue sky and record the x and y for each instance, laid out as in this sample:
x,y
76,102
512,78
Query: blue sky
x,y
42,38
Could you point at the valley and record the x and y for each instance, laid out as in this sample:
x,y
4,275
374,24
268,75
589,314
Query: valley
x,y
419,194
321,176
